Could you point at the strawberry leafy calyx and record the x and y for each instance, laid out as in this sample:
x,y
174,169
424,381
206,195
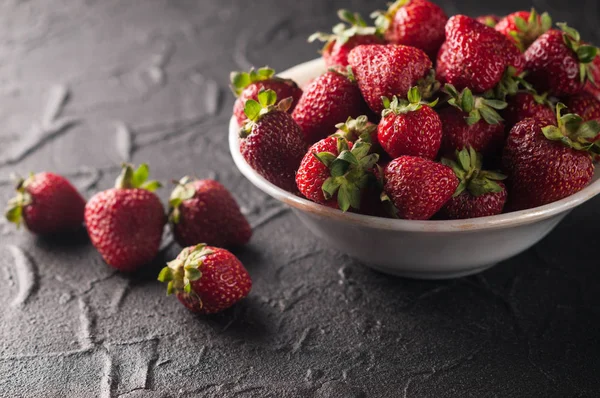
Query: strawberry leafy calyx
x,y
354,129
384,19
468,169
349,172
14,209
136,179
585,53
241,80
356,26
475,107
508,85
255,110
573,131
541,99
184,190
186,268
429,85
529,30
401,106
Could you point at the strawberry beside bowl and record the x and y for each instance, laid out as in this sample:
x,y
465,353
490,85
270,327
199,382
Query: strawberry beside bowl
x,y
416,249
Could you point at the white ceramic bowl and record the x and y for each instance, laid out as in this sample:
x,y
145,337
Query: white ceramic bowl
x,y
416,249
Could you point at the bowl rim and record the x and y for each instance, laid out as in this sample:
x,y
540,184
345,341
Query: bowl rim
x,y
505,220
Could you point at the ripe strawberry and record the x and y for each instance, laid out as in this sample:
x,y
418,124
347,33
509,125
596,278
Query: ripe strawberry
x,y
480,192
125,223
527,104
206,279
559,63
388,70
594,88
585,105
360,128
335,173
326,101
410,127
418,187
488,20
524,27
247,85
471,121
415,23
475,56
345,38
547,162
271,141
47,203
205,211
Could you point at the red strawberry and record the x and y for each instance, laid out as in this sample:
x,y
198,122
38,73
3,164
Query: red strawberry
x,y
47,203
206,279
205,211
247,85
524,27
527,104
476,56
390,70
472,121
559,63
410,127
360,128
326,101
593,85
345,38
415,23
271,141
488,20
545,162
480,192
125,223
585,105
335,173
418,187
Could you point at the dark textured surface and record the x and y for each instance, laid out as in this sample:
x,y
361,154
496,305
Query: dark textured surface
x,y
85,85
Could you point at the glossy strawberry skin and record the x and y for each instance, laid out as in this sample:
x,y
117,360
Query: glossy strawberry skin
x,y
312,173
275,148
585,105
328,100
336,54
487,139
420,24
475,56
541,171
590,87
56,205
125,226
418,187
223,283
387,70
212,216
466,205
417,133
522,106
284,88
507,25
552,67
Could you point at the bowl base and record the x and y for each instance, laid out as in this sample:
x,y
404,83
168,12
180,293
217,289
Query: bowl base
x,y
430,275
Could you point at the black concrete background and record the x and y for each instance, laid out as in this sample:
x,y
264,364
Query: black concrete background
x,y
85,85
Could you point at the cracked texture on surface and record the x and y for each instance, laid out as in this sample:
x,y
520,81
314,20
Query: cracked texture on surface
x,y
86,85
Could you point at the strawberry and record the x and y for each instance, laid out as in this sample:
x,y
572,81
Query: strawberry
x,y
247,85
418,187
205,211
524,27
271,141
594,88
527,104
326,101
585,105
388,70
125,223
360,128
559,63
546,161
488,20
206,279
410,127
345,38
47,203
475,56
480,192
415,23
335,173
471,121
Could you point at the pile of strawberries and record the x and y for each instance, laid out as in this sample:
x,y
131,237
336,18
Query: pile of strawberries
x,y
423,116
